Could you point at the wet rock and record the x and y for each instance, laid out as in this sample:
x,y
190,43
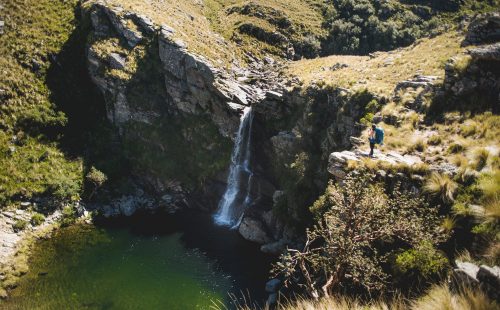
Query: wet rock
x,y
277,196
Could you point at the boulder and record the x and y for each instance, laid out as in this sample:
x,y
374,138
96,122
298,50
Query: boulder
x,y
483,277
337,162
273,285
418,81
489,276
484,28
489,52
253,229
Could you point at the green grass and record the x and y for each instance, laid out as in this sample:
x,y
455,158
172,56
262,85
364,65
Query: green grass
x,y
19,225
37,219
31,160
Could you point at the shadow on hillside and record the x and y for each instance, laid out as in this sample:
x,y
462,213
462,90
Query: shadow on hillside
x,y
87,134
476,99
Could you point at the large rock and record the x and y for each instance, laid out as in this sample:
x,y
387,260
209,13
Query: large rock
x,y
486,52
483,277
484,28
254,230
338,161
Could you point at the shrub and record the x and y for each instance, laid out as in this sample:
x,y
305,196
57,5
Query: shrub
x,y
19,225
449,224
423,261
351,220
367,119
37,219
96,179
68,216
441,186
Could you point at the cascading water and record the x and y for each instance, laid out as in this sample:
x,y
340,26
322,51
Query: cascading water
x,y
237,195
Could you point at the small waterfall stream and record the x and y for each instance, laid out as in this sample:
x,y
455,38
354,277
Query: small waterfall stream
x,y
237,195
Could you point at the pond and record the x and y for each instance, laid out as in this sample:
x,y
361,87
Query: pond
x,y
145,262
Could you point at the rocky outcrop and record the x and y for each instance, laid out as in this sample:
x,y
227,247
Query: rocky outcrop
x,y
489,52
176,113
484,28
169,104
479,75
483,277
338,161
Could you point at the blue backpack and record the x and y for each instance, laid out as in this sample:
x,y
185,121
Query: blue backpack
x,y
379,135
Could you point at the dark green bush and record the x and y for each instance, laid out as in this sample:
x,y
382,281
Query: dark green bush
x,y
364,26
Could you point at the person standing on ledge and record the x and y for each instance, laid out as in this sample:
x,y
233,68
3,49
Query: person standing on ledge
x,y
375,136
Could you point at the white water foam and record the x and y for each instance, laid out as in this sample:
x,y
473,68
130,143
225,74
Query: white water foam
x,y
237,195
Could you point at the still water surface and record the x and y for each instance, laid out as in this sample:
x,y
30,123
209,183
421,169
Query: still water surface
x,y
148,262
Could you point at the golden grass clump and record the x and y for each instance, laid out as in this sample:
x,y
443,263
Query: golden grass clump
x,y
441,186
441,297
419,146
434,140
481,157
490,187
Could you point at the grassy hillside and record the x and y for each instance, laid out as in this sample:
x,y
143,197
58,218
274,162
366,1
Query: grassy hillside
x,y
302,28
380,74
31,160
52,124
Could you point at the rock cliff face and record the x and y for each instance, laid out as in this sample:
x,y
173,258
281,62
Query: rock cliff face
x,y
175,112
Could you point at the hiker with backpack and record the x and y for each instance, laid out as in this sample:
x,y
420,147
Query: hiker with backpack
x,y
375,136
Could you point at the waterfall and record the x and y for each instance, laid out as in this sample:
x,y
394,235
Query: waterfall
x,y
237,195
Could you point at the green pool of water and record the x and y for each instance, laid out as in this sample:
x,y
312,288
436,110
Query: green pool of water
x,y
85,267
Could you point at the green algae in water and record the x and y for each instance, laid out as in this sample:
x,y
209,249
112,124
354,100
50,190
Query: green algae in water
x,y
83,267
